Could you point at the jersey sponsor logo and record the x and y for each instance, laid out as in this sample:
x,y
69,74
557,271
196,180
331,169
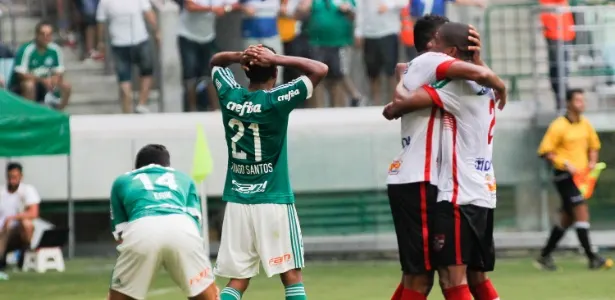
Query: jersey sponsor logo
x,y
245,108
49,61
481,164
395,167
289,95
198,277
276,261
438,242
248,188
257,169
405,141
490,182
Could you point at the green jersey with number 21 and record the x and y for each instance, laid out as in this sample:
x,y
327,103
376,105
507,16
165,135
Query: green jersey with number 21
x,y
152,191
255,126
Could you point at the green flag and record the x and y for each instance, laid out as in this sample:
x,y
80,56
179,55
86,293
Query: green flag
x,y
202,163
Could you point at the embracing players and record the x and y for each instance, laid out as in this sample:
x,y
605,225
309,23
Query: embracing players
x,y
260,222
156,216
413,174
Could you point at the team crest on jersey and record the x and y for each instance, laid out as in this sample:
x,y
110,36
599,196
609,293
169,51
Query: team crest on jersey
x,y
438,242
394,167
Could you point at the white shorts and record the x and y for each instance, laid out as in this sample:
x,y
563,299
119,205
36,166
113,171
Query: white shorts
x,y
172,241
254,233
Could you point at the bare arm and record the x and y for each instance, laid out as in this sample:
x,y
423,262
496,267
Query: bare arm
x,y
481,75
593,158
304,9
150,17
192,6
30,213
314,70
224,59
406,102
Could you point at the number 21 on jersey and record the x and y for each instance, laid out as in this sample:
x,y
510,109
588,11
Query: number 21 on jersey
x,y
165,180
237,153
492,124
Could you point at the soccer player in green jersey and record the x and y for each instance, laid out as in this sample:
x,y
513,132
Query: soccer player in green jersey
x,y
155,216
260,221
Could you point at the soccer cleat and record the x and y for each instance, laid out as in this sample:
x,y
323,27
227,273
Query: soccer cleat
x,y
4,276
545,263
600,263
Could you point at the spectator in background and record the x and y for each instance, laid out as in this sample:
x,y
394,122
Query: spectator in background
x,y
87,15
6,64
330,33
196,42
295,43
377,32
407,34
419,8
130,46
39,69
558,29
19,206
259,24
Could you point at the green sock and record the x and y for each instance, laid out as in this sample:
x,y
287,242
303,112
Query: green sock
x,y
229,293
295,292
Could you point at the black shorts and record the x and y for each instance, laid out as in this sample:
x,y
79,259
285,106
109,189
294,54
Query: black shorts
x,y
40,90
336,58
463,235
568,191
195,58
299,46
413,208
381,55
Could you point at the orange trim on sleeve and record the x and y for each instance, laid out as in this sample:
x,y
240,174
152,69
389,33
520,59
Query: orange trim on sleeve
x,y
434,95
443,68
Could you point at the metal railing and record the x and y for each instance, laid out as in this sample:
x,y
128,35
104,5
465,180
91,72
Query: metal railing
x,y
515,47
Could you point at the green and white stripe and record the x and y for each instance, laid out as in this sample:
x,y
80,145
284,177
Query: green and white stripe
x,y
296,240
231,292
295,290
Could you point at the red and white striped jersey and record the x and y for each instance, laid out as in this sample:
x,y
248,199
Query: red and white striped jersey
x,y
468,123
420,130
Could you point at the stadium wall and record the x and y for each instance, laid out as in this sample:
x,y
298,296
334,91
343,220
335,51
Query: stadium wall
x,y
338,162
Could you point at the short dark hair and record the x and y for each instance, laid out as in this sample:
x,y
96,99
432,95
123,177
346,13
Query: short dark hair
x,y
425,29
258,74
571,92
153,154
14,166
455,34
42,24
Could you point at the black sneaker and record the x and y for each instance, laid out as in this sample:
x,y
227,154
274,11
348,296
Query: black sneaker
x,y
598,263
545,263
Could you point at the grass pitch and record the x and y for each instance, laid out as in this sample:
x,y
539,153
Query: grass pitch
x,y
515,279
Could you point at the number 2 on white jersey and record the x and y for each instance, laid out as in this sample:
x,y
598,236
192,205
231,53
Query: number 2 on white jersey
x,y
492,124
238,154
166,180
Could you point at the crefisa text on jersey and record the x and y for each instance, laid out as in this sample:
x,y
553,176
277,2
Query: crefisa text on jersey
x,y
245,108
256,169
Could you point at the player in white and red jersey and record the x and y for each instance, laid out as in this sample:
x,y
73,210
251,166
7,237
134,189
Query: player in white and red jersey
x,y
413,174
463,224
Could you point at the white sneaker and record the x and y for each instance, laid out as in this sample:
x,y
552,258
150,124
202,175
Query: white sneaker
x,y
142,109
4,276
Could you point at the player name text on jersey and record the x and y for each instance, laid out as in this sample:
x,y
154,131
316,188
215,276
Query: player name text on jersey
x,y
257,169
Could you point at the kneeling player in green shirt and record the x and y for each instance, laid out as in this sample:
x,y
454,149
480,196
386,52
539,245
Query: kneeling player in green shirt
x,y
156,216
260,221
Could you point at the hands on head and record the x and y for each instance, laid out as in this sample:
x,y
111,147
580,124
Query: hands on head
x,y
257,55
